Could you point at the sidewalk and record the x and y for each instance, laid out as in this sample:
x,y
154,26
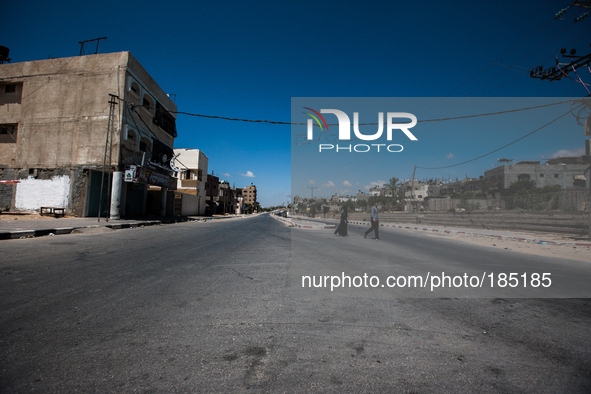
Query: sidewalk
x,y
26,226
539,238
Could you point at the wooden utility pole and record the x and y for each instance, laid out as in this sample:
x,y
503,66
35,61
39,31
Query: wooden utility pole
x,y
412,186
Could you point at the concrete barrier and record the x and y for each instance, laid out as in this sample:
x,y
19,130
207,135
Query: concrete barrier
x,y
552,222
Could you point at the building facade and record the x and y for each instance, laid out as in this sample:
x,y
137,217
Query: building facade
x,y
250,194
192,177
74,128
568,172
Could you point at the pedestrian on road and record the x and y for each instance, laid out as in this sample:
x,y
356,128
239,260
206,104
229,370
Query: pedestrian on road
x,y
375,223
342,229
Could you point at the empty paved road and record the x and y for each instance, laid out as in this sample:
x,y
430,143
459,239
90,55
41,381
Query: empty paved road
x,y
219,307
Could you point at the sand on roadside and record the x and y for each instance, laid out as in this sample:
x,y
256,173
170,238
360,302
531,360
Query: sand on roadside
x,y
565,251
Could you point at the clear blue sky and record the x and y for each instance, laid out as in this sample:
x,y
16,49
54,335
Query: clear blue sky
x,y
247,60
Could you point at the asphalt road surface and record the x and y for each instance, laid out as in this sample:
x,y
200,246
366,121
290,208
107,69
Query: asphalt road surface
x,y
220,307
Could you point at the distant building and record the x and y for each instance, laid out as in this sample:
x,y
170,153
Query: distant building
x,y
375,191
445,189
347,198
568,172
250,194
212,190
415,190
226,198
361,196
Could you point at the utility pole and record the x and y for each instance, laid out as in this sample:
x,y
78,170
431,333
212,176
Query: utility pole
x,y
561,70
588,153
312,187
556,73
108,152
412,185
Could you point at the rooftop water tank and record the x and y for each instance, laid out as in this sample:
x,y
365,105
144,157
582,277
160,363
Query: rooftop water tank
x,y
4,54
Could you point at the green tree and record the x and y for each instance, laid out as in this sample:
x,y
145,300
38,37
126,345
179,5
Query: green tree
x,y
393,185
486,185
521,188
257,207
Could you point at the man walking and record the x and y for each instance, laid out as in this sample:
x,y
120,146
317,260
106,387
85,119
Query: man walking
x,y
375,224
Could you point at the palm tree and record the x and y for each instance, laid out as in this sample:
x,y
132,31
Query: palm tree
x,y
393,185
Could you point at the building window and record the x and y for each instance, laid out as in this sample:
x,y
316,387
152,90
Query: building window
x,y
8,133
523,177
135,89
145,145
164,119
131,136
541,175
580,181
11,93
556,176
148,103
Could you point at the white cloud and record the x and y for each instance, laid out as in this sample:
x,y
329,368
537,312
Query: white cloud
x,y
347,183
311,182
225,174
329,184
569,153
375,184
248,174
450,155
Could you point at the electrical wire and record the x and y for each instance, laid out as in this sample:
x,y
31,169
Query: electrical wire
x,y
366,159
496,150
149,129
502,56
360,124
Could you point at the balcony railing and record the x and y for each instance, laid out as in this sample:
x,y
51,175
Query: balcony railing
x,y
189,183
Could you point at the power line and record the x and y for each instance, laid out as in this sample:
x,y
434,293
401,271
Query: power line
x,y
366,124
496,150
502,56
235,119
490,91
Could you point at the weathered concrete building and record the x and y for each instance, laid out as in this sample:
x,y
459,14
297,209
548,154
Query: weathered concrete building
x,y
250,194
568,172
415,190
64,122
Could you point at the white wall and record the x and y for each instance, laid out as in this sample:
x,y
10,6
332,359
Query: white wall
x,y
190,205
32,194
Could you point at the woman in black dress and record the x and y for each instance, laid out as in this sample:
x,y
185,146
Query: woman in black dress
x,y
342,229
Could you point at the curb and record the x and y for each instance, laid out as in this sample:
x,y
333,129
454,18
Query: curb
x,y
321,226
17,234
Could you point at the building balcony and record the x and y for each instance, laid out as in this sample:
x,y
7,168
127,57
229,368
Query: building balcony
x,y
189,183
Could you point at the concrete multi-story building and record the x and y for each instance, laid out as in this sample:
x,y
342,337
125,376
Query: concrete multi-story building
x,y
250,194
192,178
415,190
71,127
375,191
226,197
568,172
212,191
